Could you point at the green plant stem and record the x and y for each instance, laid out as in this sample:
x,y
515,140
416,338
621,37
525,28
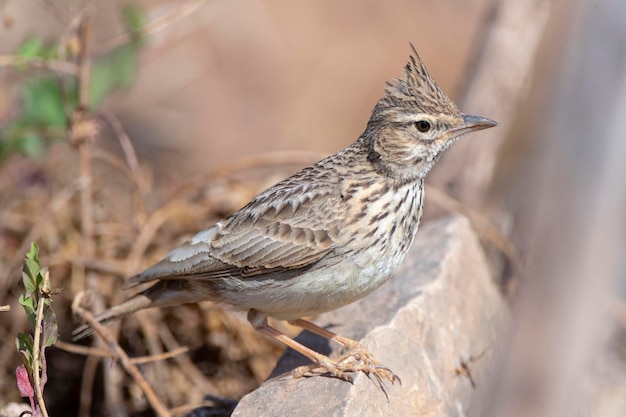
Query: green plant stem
x,y
37,347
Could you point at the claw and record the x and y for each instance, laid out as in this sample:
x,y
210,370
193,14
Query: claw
x,y
386,373
356,360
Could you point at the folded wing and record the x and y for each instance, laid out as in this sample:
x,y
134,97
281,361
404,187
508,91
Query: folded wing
x,y
284,228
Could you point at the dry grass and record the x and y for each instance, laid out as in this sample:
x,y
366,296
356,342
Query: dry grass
x,y
98,216
225,357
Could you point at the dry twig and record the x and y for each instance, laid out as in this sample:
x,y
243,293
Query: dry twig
x,y
104,353
129,153
40,63
158,24
38,358
120,354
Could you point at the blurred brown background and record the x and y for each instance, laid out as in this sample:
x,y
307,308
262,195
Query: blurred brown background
x,y
221,80
238,77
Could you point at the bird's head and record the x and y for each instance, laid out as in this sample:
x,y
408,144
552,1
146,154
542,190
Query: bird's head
x,y
414,123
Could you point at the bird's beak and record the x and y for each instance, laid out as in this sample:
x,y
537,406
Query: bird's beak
x,y
473,124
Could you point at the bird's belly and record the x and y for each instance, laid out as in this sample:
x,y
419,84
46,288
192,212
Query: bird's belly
x,y
316,291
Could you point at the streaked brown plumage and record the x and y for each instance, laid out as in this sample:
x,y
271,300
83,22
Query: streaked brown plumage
x,y
324,237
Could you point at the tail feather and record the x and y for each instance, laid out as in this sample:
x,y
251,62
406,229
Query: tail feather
x,y
162,294
192,256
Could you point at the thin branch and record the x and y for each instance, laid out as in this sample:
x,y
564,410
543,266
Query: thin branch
x,y
112,159
37,345
72,28
86,202
84,62
85,148
158,24
160,356
129,151
82,134
40,63
105,353
86,386
120,354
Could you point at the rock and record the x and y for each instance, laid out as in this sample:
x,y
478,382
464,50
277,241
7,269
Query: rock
x,y
440,310
15,410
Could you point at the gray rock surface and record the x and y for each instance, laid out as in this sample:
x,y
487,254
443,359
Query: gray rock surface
x,y
439,310
14,410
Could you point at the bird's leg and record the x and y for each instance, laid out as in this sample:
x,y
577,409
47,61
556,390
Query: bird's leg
x,y
349,344
320,361
357,358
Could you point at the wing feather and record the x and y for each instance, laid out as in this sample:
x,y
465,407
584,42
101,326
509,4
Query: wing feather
x,y
289,226
262,236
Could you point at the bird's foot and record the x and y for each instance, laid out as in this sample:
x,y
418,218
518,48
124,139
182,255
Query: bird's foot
x,y
323,365
357,359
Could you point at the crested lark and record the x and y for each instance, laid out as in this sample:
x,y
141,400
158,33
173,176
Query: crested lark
x,y
324,237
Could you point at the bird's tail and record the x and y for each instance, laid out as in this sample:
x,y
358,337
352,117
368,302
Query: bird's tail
x,y
164,293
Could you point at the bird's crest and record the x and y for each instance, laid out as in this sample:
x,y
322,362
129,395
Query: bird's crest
x,y
415,90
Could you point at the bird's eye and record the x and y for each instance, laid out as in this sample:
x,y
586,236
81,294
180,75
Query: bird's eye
x,y
422,126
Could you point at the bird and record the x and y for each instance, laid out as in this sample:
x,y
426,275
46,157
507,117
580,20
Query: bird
x,y
324,237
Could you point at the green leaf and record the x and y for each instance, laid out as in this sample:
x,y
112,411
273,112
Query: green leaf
x,y
43,103
113,71
50,327
24,343
30,48
7,141
33,252
31,267
126,57
28,303
100,84
49,51
31,276
30,307
134,18
36,48
42,117
32,145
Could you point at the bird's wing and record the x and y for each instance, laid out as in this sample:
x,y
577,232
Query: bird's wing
x,y
284,228
289,226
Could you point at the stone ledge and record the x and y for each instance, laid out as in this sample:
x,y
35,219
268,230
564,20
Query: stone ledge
x,y
440,308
